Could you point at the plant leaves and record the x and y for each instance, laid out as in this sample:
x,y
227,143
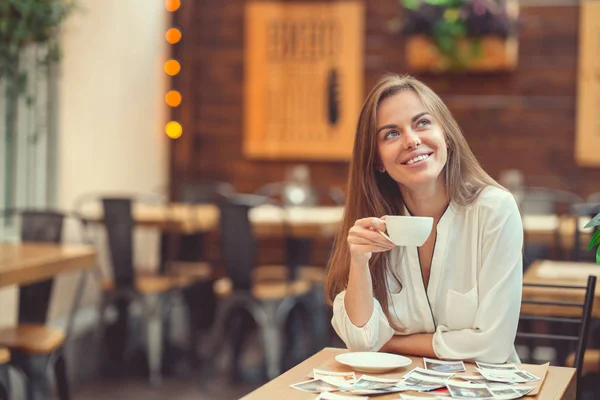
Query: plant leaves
x,y
598,255
595,240
594,222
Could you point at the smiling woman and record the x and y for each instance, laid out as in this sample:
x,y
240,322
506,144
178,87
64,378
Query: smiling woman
x,y
458,295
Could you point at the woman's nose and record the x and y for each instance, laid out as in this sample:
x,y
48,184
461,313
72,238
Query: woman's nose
x,y
412,140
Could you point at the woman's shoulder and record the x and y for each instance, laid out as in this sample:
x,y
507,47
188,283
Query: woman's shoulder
x,y
495,200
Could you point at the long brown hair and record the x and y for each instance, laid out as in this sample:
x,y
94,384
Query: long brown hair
x,y
372,194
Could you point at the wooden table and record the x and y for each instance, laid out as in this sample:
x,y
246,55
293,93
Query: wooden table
x,y
559,382
25,263
267,220
541,229
559,273
323,221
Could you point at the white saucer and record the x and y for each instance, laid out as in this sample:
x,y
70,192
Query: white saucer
x,y
372,361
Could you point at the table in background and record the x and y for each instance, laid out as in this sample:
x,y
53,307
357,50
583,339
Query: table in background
x,y
559,382
26,263
559,273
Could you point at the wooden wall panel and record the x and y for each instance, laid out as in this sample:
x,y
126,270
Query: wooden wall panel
x,y
523,119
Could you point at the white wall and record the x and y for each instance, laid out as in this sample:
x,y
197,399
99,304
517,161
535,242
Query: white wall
x,y
112,111
111,114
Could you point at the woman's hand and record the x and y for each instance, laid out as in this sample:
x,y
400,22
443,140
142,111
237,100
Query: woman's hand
x,y
364,239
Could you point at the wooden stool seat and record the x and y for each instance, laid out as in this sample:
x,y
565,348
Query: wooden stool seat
x,y
148,283
269,273
265,291
591,361
32,339
196,271
4,355
312,274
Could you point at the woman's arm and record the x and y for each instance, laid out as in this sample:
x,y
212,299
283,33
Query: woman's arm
x,y
357,317
418,344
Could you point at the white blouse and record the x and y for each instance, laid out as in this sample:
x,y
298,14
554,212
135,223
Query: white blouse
x,y
473,299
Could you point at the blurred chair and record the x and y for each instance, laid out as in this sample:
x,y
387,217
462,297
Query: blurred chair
x,y
4,378
268,303
545,201
199,296
204,192
33,344
155,292
559,313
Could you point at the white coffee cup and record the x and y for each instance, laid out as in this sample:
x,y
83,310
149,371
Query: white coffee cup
x,y
407,230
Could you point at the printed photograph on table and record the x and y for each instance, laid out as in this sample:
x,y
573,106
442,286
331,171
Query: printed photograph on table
x,y
344,376
503,367
315,386
444,366
335,396
423,376
469,391
505,393
371,385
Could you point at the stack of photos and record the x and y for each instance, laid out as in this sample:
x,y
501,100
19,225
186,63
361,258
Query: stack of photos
x,y
497,381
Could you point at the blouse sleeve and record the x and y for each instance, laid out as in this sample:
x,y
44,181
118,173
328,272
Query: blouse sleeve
x,y
371,337
500,289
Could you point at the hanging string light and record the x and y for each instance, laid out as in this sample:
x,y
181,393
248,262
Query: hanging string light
x,y
173,129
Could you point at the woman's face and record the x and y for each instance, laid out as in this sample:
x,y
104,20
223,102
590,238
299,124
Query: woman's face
x,y
410,142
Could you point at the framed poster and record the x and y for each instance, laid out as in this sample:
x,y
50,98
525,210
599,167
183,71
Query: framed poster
x,y
303,79
587,140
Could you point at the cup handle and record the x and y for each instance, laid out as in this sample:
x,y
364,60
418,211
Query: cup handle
x,y
385,235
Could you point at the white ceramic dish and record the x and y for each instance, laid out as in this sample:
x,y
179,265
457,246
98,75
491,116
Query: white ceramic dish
x,y
372,361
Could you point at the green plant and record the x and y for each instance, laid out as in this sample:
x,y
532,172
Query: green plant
x,y
449,22
25,23
595,241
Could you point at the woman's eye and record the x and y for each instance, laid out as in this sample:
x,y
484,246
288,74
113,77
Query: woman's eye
x,y
423,122
390,134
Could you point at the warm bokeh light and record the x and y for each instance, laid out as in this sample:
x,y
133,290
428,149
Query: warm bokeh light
x,y
172,67
173,35
172,5
173,129
173,98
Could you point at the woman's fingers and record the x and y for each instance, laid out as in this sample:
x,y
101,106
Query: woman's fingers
x,y
362,241
372,235
371,222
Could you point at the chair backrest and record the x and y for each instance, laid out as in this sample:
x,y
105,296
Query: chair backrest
x,y
119,224
568,313
41,226
238,243
201,193
543,200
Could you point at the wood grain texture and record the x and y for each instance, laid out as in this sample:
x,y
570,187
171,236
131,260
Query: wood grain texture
x,y
26,263
4,355
32,339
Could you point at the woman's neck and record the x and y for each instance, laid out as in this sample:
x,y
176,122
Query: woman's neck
x,y
426,201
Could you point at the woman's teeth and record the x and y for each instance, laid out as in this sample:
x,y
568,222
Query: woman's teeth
x,y
418,158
